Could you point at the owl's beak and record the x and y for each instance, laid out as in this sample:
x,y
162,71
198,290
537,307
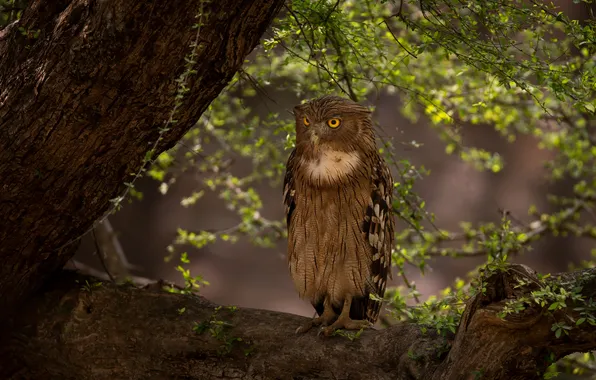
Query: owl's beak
x,y
315,136
320,129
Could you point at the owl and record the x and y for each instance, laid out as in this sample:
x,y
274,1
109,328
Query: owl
x,y
338,198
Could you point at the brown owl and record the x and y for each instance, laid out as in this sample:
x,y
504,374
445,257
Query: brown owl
x,y
338,196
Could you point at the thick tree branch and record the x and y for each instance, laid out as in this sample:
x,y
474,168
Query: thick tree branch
x,y
84,329
85,86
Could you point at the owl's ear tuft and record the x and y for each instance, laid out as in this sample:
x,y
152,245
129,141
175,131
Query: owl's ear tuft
x,y
298,110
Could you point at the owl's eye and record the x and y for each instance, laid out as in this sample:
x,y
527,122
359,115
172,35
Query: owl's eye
x,y
306,122
333,123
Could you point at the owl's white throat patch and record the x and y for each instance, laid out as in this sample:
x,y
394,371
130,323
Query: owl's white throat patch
x,y
332,165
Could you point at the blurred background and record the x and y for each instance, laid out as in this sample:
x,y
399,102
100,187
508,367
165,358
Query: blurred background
x,y
243,275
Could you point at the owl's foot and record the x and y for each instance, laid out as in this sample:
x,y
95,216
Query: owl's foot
x,y
325,319
344,322
319,321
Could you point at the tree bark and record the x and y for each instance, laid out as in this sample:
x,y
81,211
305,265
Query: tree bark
x,y
85,86
79,328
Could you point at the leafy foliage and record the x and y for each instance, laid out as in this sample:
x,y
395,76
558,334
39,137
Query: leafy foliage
x,y
11,10
219,330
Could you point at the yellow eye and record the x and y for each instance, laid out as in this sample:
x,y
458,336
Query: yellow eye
x,y
306,122
333,123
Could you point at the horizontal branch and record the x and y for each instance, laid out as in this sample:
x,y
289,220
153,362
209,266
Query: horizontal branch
x,y
84,328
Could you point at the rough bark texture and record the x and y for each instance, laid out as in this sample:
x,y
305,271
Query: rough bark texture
x,y
82,103
81,329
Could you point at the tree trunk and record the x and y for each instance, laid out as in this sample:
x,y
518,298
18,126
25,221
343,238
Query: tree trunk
x,y
85,86
83,329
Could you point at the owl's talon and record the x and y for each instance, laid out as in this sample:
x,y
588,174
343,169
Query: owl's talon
x,y
304,328
346,324
324,320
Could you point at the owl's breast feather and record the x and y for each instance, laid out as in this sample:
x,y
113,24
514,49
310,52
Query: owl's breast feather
x,y
331,166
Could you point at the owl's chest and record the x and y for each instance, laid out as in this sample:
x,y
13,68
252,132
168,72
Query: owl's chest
x,y
334,212
332,167
326,242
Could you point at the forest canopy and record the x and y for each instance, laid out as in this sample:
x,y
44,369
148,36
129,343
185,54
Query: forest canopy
x,y
521,67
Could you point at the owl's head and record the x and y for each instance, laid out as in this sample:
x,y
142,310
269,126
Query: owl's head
x,y
334,122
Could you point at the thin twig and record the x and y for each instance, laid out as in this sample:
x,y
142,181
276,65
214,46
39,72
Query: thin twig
x,y
100,255
397,40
